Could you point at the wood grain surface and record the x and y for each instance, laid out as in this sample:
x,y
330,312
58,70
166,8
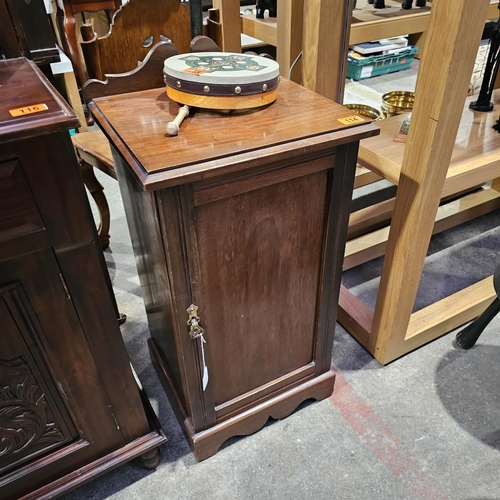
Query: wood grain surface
x,y
260,253
325,44
229,12
135,28
475,158
441,91
297,114
20,89
60,333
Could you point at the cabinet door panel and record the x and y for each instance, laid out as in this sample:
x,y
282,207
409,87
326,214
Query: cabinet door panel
x,y
51,393
31,423
259,276
19,213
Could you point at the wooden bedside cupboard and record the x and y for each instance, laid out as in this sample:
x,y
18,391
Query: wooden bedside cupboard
x,y
238,226
70,408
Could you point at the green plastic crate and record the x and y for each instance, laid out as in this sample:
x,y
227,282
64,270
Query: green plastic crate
x,y
360,67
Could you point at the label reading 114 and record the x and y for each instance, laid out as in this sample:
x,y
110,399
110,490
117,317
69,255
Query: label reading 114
x,y
26,110
351,119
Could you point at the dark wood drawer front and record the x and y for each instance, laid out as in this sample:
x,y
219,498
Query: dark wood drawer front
x,y
19,213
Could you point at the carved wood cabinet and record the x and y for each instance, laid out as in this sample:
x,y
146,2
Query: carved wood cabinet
x,y
238,226
69,405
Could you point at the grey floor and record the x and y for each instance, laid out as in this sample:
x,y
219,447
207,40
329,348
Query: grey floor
x,y
426,426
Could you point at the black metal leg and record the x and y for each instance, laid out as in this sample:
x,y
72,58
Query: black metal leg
x,y
407,4
469,335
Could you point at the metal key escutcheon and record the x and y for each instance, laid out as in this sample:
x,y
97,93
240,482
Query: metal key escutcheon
x,y
195,330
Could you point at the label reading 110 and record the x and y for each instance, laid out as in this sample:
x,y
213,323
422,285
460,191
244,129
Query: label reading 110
x,y
26,110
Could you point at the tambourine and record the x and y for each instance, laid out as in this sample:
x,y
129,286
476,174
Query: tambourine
x,y
219,80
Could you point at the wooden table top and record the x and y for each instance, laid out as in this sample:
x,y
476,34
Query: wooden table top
x,y
210,140
28,102
475,157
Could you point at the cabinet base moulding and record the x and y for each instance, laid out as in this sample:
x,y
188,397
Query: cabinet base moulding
x,y
207,442
146,448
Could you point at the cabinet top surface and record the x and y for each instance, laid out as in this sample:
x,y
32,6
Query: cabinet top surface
x,y
135,124
28,103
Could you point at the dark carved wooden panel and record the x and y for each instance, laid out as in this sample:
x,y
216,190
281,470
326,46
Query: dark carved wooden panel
x,y
19,213
260,256
31,424
26,421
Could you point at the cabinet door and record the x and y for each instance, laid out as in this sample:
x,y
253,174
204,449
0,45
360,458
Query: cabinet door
x,y
256,263
55,413
33,420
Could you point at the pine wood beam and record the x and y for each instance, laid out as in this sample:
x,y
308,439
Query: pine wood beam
x,y
325,42
230,20
444,75
290,28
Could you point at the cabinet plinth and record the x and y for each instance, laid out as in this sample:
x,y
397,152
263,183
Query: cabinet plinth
x,y
244,216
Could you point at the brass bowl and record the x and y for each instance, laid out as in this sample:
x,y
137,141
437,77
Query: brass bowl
x,y
363,110
397,102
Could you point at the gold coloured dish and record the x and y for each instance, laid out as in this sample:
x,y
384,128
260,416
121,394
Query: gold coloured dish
x,y
364,110
397,102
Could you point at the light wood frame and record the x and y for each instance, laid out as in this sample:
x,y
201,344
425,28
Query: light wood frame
x,y
392,330
276,31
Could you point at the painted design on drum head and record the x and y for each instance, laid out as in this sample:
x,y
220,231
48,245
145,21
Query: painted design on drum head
x,y
200,65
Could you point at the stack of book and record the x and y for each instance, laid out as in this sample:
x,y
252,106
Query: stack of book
x,y
381,47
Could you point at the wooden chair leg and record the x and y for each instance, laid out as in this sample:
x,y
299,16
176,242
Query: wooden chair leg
x,y
96,191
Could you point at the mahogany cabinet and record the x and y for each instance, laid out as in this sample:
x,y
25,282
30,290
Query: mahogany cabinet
x,y
238,226
70,408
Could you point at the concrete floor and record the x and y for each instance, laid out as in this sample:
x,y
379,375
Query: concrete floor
x,y
427,426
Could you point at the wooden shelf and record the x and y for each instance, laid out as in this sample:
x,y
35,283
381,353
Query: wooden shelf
x,y
475,159
372,24
367,23
371,245
262,29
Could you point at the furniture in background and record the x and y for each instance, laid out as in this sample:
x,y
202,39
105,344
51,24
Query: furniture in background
x,y
67,24
449,150
367,24
227,14
317,30
71,408
137,26
25,31
64,70
238,225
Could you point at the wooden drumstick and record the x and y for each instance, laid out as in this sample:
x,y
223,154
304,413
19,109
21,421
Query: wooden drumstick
x,y
173,127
